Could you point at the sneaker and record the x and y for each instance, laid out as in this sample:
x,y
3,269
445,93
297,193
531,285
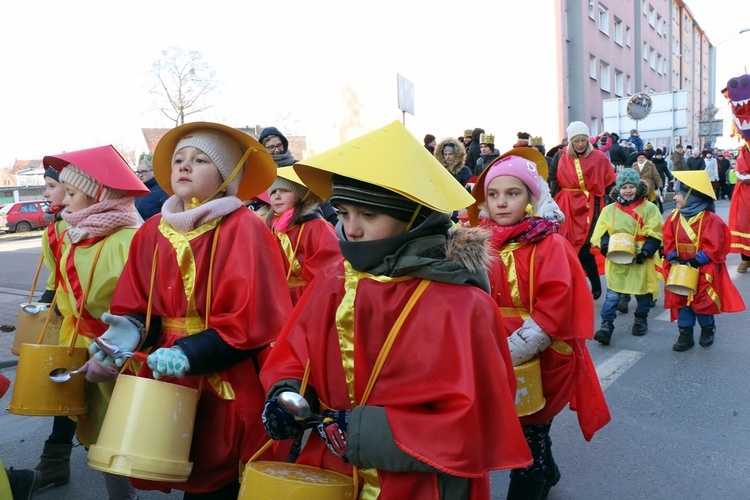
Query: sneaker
x,y
743,267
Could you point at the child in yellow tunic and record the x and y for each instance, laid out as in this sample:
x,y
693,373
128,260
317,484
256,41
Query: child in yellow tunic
x,y
102,219
631,214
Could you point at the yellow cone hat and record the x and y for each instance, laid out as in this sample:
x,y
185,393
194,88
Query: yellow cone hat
x,y
392,158
696,179
289,174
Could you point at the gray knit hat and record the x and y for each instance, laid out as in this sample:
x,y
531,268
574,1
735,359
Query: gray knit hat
x,y
223,150
81,180
286,184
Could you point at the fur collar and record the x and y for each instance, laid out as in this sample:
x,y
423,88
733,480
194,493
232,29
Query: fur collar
x,y
459,158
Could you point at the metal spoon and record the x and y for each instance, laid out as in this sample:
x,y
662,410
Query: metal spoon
x,y
297,406
32,308
61,375
111,349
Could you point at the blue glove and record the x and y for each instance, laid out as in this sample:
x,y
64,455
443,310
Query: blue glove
x,y
122,333
168,361
333,431
280,424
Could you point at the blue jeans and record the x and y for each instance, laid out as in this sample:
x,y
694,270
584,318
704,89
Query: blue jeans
x,y
686,318
609,311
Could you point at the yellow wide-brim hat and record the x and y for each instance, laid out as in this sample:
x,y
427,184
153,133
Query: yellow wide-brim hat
x,y
260,169
531,154
696,179
392,158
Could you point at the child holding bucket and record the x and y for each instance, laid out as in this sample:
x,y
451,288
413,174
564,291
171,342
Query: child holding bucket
x,y
437,413
695,236
54,193
306,241
102,220
633,216
541,291
204,289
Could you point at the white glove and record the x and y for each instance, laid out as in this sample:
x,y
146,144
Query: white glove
x,y
547,207
121,332
527,341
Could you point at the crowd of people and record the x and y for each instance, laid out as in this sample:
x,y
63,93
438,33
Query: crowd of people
x,y
246,274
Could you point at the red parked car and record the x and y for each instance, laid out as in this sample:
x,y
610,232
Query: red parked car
x,y
24,216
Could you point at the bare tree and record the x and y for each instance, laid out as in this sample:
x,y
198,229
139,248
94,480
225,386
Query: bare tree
x,y
183,79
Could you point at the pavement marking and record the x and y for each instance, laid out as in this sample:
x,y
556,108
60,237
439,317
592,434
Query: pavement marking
x,y
12,246
616,365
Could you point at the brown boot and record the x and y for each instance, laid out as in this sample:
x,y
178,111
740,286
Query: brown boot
x,y
743,267
54,464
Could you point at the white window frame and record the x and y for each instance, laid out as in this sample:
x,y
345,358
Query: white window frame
x,y
594,126
617,32
627,35
619,83
606,77
604,19
645,51
592,67
652,58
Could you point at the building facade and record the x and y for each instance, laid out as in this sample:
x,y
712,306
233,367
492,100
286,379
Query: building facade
x,y
616,48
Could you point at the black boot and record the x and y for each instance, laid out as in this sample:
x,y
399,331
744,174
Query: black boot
x,y
23,483
604,333
551,478
588,263
55,464
685,341
524,488
640,327
707,335
622,304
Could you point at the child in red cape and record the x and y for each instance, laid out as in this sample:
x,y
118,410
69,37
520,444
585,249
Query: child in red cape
x,y
547,309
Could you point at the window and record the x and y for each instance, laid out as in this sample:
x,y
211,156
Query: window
x,y
604,70
592,67
619,83
618,32
652,58
28,208
651,16
644,7
627,36
592,11
603,19
645,51
658,24
594,126
628,85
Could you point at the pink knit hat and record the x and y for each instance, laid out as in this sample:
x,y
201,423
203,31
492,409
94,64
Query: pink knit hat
x,y
515,166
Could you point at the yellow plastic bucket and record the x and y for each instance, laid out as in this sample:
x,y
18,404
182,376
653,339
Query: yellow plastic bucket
x,y
285,481
33,391
682,279
147,431
31,319
621,248
529,395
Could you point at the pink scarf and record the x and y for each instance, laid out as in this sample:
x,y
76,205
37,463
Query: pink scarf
x,y
101,219
174,213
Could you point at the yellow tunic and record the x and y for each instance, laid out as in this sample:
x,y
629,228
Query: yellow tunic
x,y
109,266
637,279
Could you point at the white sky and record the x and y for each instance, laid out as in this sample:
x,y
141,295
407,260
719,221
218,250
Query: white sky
x,y
75,72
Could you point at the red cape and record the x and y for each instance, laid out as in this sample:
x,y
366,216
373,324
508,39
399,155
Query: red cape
x,y
447,384
739,209
250,303
716,293
563,308
577,207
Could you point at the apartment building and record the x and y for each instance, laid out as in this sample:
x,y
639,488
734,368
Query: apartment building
x,y
616,48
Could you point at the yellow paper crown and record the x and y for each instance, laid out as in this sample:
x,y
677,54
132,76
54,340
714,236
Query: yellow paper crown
x,y
467,132
487,139
696,179
536,141
392,158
